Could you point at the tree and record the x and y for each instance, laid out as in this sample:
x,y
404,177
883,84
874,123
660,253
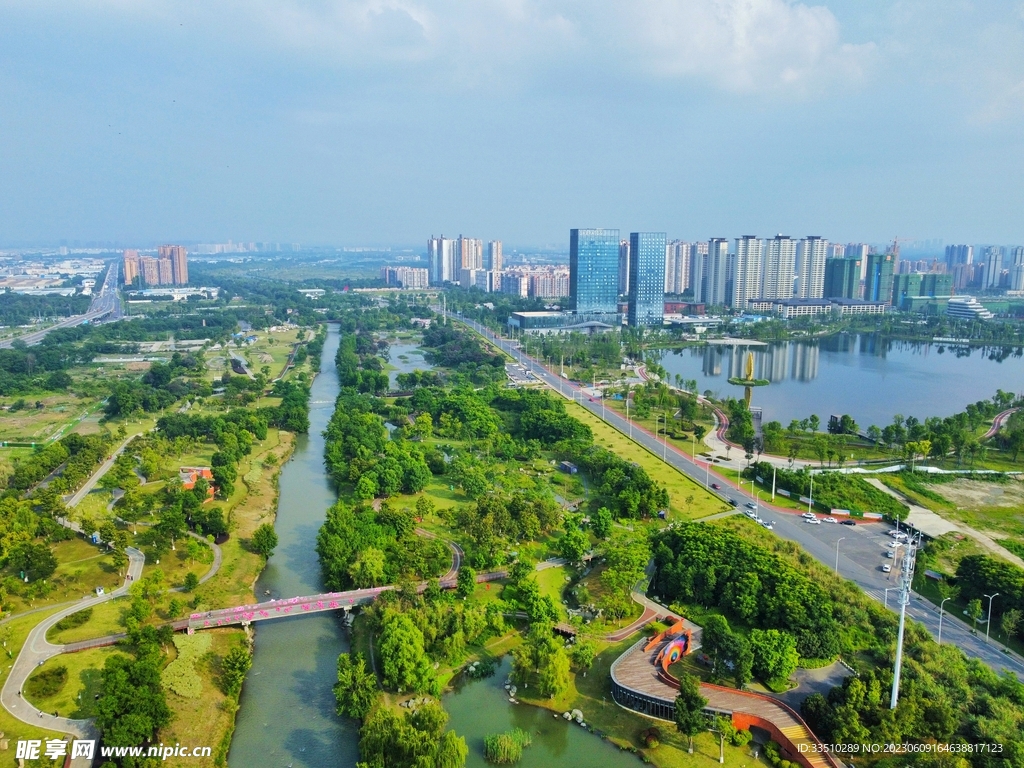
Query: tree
x,y
582,654
132,706
368,568
974,611
465,581
356,690
403,659
233,669
573,544
264,540
554,674
1009,622
601,523
690,705
36,561
190,582
775,655
813,422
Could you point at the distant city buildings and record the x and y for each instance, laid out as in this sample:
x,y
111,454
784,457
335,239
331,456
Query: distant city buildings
x,y
406,277
779,268
810,257
677,266
747,271
170,267
878,277
623,267
842,278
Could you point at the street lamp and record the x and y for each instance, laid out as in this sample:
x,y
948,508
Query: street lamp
x,y
837,552
988,622
940,617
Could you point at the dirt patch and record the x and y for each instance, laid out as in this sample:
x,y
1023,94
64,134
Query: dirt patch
x,y
974,494
139,366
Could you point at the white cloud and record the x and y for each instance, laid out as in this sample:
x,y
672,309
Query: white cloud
x,y
739,46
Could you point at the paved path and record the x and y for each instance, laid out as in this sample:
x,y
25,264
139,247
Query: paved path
x,y
38,649
88,485
998,421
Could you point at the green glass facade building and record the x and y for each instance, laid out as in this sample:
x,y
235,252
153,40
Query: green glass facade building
x,y
646,278
594,269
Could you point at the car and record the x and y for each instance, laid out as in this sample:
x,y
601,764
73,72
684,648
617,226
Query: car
x,y
899,535
809,515
750,505
813,521
716,486
847,522
829,520
887,568
751,514
766,524
732,502
893,544
890,554
758,519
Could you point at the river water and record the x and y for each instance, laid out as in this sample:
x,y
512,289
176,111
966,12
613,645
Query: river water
x,y
864,375
287,706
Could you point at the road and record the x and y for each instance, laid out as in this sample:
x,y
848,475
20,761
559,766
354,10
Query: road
x,y
89,484
105,303
861,551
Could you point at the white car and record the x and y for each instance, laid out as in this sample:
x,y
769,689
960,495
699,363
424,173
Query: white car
x,y
829,520
767,525
813,521
893,544
809,515
887,568
891,555
898,535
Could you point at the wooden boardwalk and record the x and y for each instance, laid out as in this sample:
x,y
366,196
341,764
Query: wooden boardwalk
x,y
640,685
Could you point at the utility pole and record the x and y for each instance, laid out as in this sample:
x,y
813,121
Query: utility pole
x,y
906,579
988,622
940,617
774,470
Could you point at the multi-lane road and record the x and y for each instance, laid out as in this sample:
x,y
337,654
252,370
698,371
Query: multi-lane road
x,y
106,305
858,550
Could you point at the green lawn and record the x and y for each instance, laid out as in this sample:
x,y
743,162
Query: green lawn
x,y
76,698
687,499
552,581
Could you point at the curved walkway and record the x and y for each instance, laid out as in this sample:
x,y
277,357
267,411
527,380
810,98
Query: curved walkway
x,y
38,649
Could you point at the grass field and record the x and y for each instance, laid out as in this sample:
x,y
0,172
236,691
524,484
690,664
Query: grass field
x,y
76,699
32,424
687,500
551,582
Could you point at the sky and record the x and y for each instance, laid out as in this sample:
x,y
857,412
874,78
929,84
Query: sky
x,y
381,122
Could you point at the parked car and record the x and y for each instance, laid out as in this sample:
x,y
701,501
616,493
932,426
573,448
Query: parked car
x,y
887,568
847,522
829,520
813,521
893,544
716,486
809,515
890,554
750,505
732,502
769,526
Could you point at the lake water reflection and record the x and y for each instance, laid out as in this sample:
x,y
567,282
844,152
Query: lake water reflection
x,y
863,375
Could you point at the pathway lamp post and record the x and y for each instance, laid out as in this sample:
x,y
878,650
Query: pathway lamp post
x,y
837,553
940,617
988,621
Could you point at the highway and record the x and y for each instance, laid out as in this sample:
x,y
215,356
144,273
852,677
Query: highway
x,y
858,550
105,303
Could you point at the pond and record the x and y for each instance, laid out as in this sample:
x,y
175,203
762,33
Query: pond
x,y
406,357
863,375
479,708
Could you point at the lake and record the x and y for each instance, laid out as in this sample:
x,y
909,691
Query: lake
x,y
863,375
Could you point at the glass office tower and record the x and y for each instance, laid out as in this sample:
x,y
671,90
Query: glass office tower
x,y
646,278
594,269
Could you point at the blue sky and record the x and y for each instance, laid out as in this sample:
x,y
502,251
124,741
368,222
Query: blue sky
x,y
384,121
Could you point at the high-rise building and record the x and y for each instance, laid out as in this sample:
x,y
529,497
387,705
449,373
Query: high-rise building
x,y
810,268
517,285
177,257
443,258
709,273
779,268
836,251
594,269
623,267
549,285
992,258
677,266
150,269
405,277
493,259
1017,277
646,278
471,253
958,254
166,271
131,266
878,280
747,271
1015,256
859,251
842,278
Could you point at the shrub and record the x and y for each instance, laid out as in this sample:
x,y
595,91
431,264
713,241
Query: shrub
x,y
741,738
506,748
73,620
47,683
